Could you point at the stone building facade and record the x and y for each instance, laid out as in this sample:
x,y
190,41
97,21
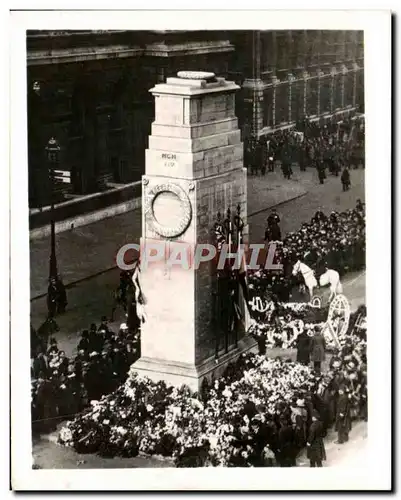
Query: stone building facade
x,y
89,90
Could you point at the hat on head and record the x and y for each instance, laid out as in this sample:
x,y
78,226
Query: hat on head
x,y
316,415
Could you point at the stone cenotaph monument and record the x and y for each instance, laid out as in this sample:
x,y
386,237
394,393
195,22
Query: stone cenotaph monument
x,y
194,169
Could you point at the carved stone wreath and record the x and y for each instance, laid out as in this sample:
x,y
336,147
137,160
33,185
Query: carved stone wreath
x,y
168,232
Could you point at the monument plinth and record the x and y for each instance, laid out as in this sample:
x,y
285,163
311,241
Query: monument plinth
x,y
194,169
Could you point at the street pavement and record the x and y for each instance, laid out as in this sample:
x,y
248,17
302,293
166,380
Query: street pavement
x,y
88,250
92,298
48,455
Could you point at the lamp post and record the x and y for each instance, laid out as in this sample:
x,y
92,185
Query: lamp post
x,y
52,151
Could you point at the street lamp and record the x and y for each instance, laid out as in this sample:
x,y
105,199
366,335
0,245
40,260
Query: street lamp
x,y
52,151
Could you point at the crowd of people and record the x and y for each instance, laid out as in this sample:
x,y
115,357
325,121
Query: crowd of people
x,y
261,412
335,241
63,386
334,147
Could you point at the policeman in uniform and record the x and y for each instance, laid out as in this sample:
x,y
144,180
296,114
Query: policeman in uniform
x,y
273,231
273,218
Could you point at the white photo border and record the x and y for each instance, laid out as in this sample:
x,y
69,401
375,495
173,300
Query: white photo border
x,y
374,469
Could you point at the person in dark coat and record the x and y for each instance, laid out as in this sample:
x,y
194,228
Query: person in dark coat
x,y
104,325
315,449
303,345
84,343
261,340
270,163
273,233
345,179
40,367
61,296
319,217
286,444
321,173
318,350
64,362
52,295
343,416
52,349
273,218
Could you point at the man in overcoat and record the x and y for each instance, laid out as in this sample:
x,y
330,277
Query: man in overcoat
x,y
343,416
318,350
315,449
345,179
303,344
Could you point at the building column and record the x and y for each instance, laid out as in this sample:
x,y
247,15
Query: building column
x,y
320,74
253,92
354,88
305,76
274,81
344,71
274,52
291,79
333,73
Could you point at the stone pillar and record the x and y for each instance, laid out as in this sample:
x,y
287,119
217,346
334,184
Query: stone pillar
x,y
355,68
274,82
253,88
305,78
320,75
291,80
344,71
194,169
333,74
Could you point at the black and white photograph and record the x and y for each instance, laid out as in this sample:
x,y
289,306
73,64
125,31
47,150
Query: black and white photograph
x,y
199,209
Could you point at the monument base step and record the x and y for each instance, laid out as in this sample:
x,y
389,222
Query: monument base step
x,y
188,374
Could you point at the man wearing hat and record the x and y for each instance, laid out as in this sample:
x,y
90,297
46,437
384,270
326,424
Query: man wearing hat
x,y
318,349
345,179
273,231
343,416
123,330
315,449
303,344
52,298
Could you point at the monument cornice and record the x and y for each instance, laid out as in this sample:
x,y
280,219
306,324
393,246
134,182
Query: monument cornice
x,y
188,90
57,56
182,49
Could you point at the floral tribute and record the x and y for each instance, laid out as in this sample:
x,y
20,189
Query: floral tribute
x,y
155,419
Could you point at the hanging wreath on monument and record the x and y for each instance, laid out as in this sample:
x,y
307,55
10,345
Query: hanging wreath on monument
x,y
186,209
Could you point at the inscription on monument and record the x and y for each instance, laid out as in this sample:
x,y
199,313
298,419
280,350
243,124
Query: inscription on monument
x,y
169,160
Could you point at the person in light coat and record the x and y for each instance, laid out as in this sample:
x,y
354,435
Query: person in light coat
x,y
318,350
